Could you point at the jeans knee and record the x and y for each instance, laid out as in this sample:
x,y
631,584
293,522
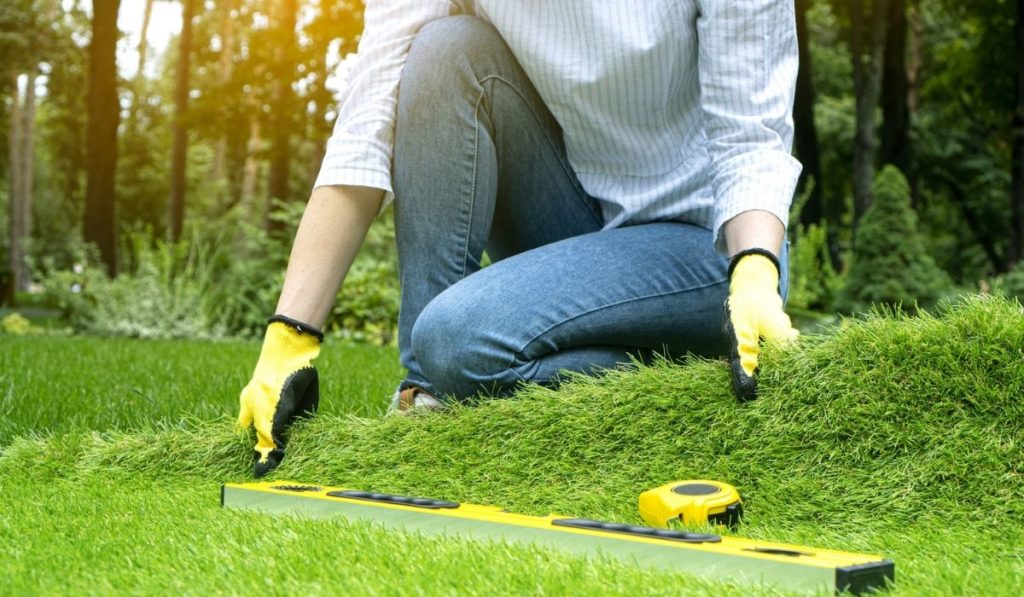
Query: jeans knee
x,y
446,49
454,39
455,355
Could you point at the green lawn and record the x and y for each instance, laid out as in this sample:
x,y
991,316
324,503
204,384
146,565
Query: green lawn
x,y
899,436
60,384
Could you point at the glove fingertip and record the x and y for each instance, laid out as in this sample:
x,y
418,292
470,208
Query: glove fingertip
x,y
264,466
743,386
244,418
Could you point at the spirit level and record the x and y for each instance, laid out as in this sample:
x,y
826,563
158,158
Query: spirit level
x,y
726,558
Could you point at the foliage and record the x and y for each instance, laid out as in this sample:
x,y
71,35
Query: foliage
x,y
72,289
890,263
14,324
144,152
26,36
963,134
167,290
813,282
250,268
1012,283
223,280
163,295
896,435
60,146
251,273
367,307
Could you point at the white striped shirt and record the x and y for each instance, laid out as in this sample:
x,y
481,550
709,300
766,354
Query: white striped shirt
x,y
671,109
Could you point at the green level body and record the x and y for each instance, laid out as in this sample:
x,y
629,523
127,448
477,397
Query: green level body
x,y
791,567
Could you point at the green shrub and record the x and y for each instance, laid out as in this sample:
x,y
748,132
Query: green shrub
x,y
813,282
15,324
890,264
74,290
161,295
1011,283
224,280
367,306
250,267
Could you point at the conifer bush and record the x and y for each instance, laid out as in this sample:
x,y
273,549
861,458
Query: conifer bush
x,y
813,282
890,263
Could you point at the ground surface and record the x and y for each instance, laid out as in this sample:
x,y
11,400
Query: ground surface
x,y
904,437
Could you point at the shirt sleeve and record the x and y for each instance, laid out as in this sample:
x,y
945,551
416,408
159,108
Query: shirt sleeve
x,y
747,63
360,148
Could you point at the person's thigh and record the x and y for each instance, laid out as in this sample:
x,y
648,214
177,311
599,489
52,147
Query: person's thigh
x,y
479,162
580,304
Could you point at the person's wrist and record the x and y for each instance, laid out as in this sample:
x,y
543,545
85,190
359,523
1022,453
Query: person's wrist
x,y
298,326
736,259
754,270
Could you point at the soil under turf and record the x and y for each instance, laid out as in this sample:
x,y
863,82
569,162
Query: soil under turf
x,y
901,436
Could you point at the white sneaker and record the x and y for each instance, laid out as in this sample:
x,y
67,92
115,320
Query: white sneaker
x,y
413,398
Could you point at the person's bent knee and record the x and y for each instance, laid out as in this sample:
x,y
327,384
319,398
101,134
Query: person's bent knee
x,y
450,39
445,49
454,356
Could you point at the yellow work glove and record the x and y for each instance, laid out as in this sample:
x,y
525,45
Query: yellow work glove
x,y
753,311
284,386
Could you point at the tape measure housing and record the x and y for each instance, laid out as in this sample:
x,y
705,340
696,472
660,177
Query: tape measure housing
x,y
692,502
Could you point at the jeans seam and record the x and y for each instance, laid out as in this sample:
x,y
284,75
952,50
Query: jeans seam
x,y
566,168
516,355
472,189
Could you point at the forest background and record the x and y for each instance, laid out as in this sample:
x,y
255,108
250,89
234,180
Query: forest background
x,y
151,182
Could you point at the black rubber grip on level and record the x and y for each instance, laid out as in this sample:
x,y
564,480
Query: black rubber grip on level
x,y
296,488
401,500
778,551
626,529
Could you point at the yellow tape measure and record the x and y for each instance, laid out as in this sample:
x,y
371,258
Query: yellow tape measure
x,y
693,502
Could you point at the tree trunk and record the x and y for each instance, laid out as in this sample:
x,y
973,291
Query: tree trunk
x,y
101,137
896,115
916,31
138,85
14,180
282,111
973,220
805,132
143,41
227,39
320,131
1016,251
867,68
21,141
14,186
176,201
28,120
251,169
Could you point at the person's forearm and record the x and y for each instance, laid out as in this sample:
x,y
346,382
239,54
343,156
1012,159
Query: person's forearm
x,y
754,230
333,227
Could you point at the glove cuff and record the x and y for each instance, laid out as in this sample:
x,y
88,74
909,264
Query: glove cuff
x,y
298,326
735,260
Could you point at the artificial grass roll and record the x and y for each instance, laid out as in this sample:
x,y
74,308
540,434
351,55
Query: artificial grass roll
x,y
896,415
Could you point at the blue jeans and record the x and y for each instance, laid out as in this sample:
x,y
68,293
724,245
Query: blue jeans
x,y
479,163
